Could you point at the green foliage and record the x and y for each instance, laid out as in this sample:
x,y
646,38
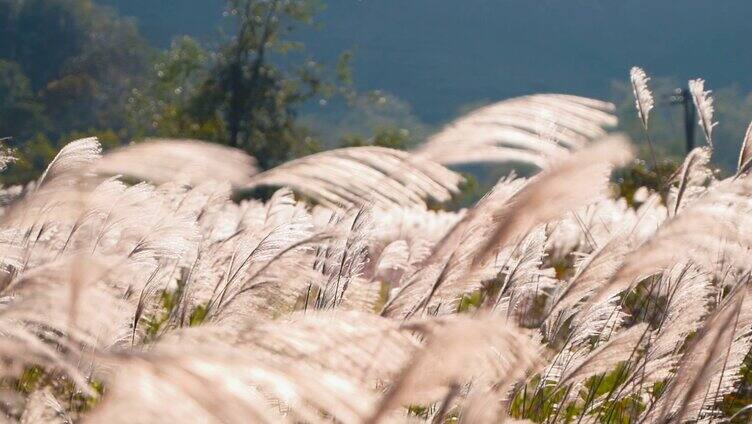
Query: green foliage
x,y
390,137
640,174
742,396
160,107
156,322
546,403
32,157
254,99
197,316
19,107
29,379
470,301
35,377
470,192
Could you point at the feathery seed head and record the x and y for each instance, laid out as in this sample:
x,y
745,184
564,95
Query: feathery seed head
x,y
643,97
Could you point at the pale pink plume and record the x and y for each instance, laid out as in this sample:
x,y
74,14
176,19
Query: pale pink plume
x,y
163,160
704,105
643,97
363,175
534,129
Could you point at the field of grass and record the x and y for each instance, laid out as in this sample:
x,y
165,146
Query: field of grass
x,y
137,287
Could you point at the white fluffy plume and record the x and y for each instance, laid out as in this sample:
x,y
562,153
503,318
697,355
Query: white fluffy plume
x,y
363,175
704,105
574,182
745,153
160,161
532,129
347,296
72,159
643,97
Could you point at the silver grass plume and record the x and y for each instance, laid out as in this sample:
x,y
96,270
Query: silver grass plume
x,y
362,345
223,384
357,176
687,291
591,272
704,105
713,356
607,356
393,259
643,97
745,153
502,355
715,226
87,272
447,273
694,172
72,159
536,130
163,160
596,324
575,182
467,255
42,407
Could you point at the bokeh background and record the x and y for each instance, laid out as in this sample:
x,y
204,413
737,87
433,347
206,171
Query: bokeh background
x,y
364,71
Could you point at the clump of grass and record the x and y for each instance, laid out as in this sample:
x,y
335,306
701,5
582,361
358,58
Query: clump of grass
x,y
356,293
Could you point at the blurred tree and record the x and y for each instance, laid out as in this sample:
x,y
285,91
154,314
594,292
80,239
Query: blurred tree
x,y
20,111
254,98
91,87
42,35
65,66
99,75
31,159
159,106
248,92
79,59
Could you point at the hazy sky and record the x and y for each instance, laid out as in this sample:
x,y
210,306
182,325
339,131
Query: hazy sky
x,y
441,54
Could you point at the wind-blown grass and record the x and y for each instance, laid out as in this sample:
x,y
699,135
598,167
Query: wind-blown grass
x,y
344,298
